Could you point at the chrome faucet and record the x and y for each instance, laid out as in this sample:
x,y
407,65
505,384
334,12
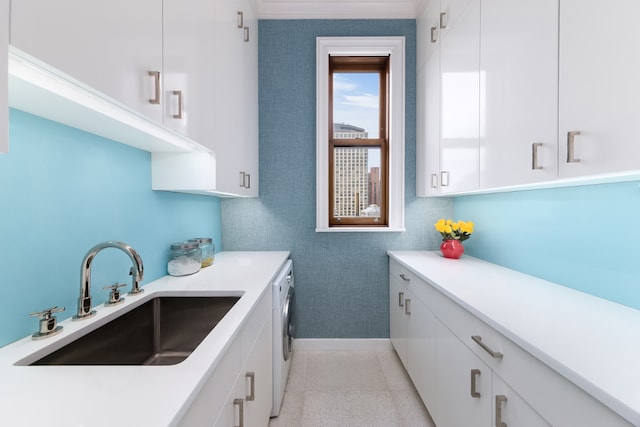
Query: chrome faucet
x,y
84,302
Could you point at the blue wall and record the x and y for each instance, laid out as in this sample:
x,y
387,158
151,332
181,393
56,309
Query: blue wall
x,y
586,238
341,278
61,192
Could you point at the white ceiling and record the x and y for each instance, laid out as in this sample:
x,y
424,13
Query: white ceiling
x,y
337,9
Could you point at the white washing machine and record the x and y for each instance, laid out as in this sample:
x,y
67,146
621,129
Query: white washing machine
x,y
283,300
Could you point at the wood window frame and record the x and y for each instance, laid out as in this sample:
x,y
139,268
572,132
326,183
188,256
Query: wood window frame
x,y
394,47
361,64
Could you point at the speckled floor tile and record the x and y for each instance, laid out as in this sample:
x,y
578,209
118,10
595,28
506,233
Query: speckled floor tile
x,y
350,388
298,372
349,408
411,409
394,373
343,370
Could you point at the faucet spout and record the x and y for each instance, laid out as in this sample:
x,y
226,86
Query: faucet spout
x,y
137,273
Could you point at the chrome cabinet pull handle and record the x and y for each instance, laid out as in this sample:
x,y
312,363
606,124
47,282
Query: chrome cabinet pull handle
x,y
534,155
242,179
240,19
434,180
252,378
475,373
500,399
494,354
405,278
156,87
248,181
444,182
407,307
240,404
570,142
246,34
400,299
433,35
443,17
178,93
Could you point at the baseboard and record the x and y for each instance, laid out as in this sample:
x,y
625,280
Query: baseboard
x,y
342,344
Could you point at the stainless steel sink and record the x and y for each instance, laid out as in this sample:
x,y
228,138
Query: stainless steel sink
x,y
162,331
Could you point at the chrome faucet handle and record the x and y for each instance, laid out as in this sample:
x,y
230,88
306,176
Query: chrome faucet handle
x,y
114,295
48,323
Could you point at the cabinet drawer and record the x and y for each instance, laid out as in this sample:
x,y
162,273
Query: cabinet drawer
x,y
403,275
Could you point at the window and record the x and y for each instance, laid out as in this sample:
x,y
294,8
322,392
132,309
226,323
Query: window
x,y
358,140
360,157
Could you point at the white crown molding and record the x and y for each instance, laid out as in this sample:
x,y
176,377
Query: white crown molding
x,y
337,9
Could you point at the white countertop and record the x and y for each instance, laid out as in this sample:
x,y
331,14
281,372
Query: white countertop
x,y
592,342
123,396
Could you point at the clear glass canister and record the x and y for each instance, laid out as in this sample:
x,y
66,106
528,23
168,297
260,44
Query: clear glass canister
x,y
208,250
184,258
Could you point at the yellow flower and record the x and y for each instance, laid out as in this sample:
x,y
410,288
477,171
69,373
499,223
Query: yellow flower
x,y
458,230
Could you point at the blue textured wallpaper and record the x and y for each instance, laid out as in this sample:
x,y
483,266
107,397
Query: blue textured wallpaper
x,y
61,192
586,238
341,278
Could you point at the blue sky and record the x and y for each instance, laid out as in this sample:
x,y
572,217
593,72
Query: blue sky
x,y
356,100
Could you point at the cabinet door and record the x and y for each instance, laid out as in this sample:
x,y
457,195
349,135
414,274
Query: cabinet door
x,y
460,95
428,101
459,373
518,91
4,77
234,411
421,349
599,86
189,58
110,46
236,102
398,326
258,378
511,409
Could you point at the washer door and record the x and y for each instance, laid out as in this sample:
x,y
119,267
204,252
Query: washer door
x,y
287,324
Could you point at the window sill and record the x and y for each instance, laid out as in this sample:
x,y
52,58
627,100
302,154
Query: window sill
x,y
360,230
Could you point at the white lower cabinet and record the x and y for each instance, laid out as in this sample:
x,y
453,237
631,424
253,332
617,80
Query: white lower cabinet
x,y
463,382
398,320
468,374
249,403
239,392
413,331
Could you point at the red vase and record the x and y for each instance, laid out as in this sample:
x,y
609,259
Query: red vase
x,y
452,249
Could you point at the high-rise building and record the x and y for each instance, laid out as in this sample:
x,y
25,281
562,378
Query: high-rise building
x,y
357,185
351,181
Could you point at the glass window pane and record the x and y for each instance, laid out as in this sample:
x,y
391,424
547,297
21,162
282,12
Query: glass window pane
x,y
356,105
356,182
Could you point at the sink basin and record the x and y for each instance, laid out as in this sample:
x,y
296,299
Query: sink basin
x,y
162,331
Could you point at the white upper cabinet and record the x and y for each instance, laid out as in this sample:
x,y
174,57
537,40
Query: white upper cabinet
x,y
428,102
111,46
460,95
599,86
4,77
518,92
188,64
235,105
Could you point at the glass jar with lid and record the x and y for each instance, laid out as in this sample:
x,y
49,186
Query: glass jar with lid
x,y
208,250
184,258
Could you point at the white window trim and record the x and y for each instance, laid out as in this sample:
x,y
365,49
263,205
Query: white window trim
x,y
361,46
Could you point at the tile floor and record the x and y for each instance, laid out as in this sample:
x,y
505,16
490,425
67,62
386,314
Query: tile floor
x,y
350,388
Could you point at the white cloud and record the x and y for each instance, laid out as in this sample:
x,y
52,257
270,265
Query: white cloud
x,y
363,101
